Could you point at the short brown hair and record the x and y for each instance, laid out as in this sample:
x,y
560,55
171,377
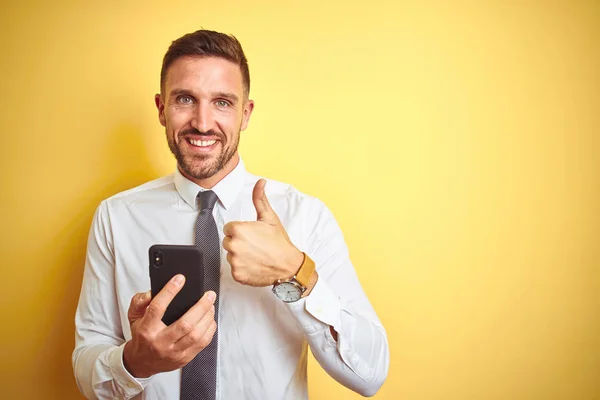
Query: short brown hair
x,y
205,43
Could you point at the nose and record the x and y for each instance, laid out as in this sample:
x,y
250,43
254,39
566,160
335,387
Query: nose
x,y
203,119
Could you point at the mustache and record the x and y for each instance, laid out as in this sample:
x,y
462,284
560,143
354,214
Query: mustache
x,y
196,132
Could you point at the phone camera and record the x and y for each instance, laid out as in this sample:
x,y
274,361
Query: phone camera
x,y
157,259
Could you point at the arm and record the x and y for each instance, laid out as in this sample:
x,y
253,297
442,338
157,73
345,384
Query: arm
x,y
359,357
261,252
99,342
104,364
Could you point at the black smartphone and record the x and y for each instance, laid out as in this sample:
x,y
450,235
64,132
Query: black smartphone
x,y
168,260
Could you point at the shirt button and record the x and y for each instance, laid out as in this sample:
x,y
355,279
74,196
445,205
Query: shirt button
x,y
131,385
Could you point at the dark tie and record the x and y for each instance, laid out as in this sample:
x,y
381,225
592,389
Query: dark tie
x,y
199,377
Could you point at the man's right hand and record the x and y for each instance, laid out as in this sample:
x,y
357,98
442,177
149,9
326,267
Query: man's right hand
x,y
155,347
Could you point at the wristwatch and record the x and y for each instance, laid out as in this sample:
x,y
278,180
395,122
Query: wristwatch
x,y
291,290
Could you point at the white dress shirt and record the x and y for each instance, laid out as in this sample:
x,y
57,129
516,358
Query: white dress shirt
x,y
262,340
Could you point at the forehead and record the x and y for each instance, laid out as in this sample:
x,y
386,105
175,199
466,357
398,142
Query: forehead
x,y
204,74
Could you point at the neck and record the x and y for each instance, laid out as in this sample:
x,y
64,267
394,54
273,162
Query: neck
x,y
210,182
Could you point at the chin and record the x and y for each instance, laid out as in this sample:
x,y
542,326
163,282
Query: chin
x,y
201,173
202,170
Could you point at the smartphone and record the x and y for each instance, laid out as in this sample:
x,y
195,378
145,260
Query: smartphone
x,y
166,261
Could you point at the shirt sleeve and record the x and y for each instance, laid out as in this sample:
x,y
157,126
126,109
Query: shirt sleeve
x,y
359,359
99,341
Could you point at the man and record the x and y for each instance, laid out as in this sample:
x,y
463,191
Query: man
x,y
280,271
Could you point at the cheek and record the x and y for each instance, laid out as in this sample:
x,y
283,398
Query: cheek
x,y
228,123
175,120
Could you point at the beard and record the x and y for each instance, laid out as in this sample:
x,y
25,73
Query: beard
x,y
200,166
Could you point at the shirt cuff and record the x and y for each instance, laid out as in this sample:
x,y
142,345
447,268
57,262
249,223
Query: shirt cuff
x,y
130,385
320,307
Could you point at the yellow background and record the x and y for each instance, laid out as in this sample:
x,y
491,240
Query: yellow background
x,y
456,142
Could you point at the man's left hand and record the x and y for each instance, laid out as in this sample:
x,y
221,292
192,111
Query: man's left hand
x,y
260,252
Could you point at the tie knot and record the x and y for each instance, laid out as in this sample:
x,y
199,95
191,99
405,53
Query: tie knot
x,y
207,199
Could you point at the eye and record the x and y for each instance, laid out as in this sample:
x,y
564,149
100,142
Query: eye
x,y
222,103
185,99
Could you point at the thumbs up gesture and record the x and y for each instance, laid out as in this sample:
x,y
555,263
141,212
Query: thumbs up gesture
x,y
260,252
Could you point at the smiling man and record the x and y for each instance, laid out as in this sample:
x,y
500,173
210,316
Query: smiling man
x,y
278,278
203,106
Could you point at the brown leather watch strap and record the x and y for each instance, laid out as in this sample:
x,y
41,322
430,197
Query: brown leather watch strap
x,y
306,271
311,284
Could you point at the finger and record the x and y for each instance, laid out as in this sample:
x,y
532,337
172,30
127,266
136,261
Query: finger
x,y
202,343
227,243
137,307
234,246
235,228
188,321
231,228
197,337
264,211
157,307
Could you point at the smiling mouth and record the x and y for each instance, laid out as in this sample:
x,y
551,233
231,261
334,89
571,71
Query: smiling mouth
x,y
201,143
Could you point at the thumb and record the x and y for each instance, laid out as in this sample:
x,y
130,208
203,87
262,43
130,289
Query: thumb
x,y
264,212
138,305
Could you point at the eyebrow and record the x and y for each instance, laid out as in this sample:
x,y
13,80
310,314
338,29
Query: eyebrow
x,y
225,95
177,92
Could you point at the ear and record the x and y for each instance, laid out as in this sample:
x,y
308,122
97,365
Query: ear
x,y
161,109
247,111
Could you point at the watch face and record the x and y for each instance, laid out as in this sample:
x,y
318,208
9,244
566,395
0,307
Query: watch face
x,y
287,292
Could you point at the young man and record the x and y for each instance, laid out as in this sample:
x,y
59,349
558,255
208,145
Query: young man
x,y
275,263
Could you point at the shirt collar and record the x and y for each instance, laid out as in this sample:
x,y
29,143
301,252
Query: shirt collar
x,y
226,189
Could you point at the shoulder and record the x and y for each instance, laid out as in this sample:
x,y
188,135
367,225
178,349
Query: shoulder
x,y
286,198
153,191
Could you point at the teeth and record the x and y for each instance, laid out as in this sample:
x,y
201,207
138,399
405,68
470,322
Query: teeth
x,y
202,143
